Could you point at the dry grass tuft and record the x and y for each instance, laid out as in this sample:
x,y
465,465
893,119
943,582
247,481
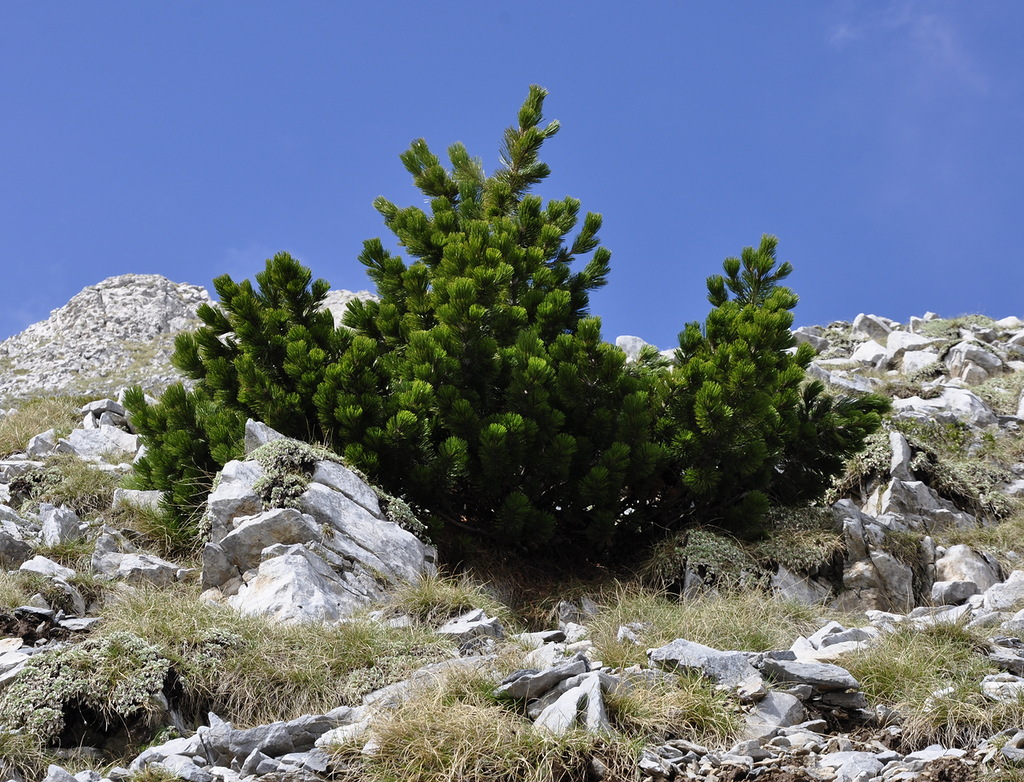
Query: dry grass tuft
x,y
747,620
932,678
251,670
35,417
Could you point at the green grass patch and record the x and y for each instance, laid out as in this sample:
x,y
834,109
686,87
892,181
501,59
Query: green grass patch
x,y
932,678
34,417
746,620
687,706
157,530
434,600
251,670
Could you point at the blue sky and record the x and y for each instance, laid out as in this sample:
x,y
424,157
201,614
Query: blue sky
x,y
881,141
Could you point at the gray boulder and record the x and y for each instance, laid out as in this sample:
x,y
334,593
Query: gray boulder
x,y
821,676
727,668
582,706
962,563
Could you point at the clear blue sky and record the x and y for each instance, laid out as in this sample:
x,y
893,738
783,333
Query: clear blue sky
x,y
881,141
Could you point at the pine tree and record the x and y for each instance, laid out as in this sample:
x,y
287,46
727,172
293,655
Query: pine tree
x,y
478,384
743,425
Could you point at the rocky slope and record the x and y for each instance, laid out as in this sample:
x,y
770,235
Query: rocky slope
x,y
297,539
116,333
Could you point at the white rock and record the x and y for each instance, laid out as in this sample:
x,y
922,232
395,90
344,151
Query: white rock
x,y
916,360
870,354
1004,596
954,404
870,327
295,585
962,563
631,346
47,567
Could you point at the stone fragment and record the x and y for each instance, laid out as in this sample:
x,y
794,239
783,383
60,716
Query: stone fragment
x,y
530,683
1006,595
243,546
581,706
852,766
101,444
137,498
799,588
471,627
954,404
821,676
870,327
952,593
42,444
870,354
293,584
962,563
776,710
726,668
58,525
258,434
13,551
233,496
47,567
379,545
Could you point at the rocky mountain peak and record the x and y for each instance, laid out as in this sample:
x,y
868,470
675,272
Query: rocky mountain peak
x,y
115,333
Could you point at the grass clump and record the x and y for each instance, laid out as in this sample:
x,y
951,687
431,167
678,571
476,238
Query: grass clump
x,y
67,480
932,678
455,731
21,755
251,670
13,591
686,706
156,530
1004,540
434,600
35,417
747,620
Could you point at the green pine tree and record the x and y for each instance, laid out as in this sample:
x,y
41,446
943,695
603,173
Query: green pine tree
x,y
743,425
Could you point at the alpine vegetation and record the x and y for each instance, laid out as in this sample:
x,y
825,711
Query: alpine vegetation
x,y
478,385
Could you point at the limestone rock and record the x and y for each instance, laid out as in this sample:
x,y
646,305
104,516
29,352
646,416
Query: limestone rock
x,y
962,563
130,320
726,668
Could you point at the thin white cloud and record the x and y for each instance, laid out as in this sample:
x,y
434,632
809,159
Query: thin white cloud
x,y
925,33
